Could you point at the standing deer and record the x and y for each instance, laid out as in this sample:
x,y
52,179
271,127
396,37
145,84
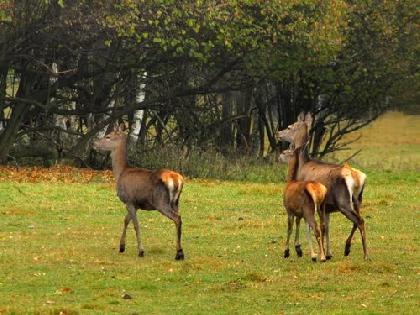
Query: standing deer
x,y
344,184
303,199
140,188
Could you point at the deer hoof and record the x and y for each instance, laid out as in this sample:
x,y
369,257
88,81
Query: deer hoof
x,y
122,248
328,257
286,253
347,250
141,253
323,259
179,255
313,259
298,251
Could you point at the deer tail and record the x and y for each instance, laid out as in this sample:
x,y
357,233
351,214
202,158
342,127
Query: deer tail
x,y
317,193
173,182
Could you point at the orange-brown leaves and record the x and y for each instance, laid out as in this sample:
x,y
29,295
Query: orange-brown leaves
x,y
58,173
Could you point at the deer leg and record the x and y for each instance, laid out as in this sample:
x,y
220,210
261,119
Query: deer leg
x,y
327,236
297,242
133,212
322,216
167,211
347,249
346,205
308,238
320,243
356,206
309,214
359,222
289,233
312,225
127,220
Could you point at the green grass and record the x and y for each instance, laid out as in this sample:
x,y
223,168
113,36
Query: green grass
x,y
390,143
59,244
59,253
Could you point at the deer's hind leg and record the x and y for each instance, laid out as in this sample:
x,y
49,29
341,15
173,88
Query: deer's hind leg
x,y
176,218
326,228
309,211
298,248
133,213
345,204
164,206
127,220
357,203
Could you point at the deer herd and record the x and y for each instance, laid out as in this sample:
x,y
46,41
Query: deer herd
x,y
312,187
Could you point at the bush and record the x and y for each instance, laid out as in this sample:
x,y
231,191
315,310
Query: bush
x,y
210,164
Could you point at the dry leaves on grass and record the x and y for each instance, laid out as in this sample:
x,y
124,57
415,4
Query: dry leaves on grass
x,y
58,173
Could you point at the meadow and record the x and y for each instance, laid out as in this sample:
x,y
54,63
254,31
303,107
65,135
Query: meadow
x,y
60,229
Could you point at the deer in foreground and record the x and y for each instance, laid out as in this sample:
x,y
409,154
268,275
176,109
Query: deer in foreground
x,y
344,184
140,188
303,199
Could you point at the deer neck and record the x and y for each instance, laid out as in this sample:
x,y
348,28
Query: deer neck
x,y
119,159
293,167
301,148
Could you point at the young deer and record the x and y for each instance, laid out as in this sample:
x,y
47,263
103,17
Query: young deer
x,y
344,184
303,199
139,188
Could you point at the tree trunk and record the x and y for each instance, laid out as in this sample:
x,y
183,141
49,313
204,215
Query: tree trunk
x,y
243,133
226,130
7,138
138,114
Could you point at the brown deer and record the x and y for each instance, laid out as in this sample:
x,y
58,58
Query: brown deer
x,y
344,184
140,188
302,199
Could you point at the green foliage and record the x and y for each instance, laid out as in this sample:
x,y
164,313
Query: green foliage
x,y
203,29
222,74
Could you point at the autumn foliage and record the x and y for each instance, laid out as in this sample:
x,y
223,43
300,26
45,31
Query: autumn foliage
x,y
55,174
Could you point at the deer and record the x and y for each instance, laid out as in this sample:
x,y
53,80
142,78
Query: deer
x,y
302,199
140,188
345,185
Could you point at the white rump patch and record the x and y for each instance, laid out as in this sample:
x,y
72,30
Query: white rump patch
x,y
170,184
178,190
350,187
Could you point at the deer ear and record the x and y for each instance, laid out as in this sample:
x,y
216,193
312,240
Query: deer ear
x,y
122,127
301,116
114,127
308,120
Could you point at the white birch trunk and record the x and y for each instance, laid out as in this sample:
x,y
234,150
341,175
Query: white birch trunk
x,y
138,114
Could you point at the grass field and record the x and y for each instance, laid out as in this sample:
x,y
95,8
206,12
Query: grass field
x,y
391,143
59,237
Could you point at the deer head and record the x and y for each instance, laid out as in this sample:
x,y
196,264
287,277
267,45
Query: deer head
x,y
111,141
297,133
285,155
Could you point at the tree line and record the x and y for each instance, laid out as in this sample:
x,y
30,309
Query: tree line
x,y
216,74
